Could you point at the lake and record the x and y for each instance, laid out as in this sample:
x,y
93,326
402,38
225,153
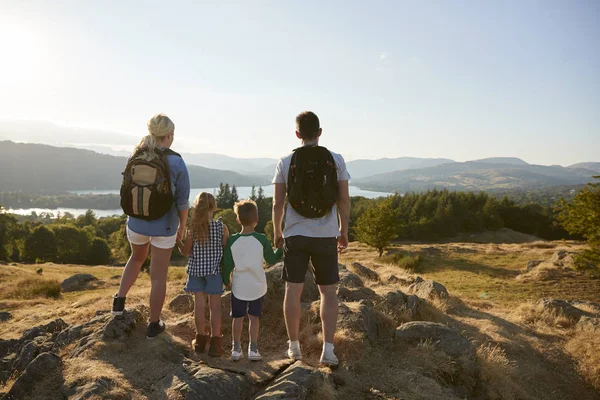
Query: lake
x,y
243,192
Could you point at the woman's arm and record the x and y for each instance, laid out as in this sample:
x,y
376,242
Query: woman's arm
x,y
185,248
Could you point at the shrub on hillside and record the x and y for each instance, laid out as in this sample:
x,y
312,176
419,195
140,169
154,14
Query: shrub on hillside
x,y
408,261
72,244
99,253
32,288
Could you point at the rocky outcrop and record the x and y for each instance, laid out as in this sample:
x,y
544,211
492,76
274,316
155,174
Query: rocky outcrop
x,y
428,289
276,287
363,319
532,264
447,340
561,307
46,366
182,304
588,324
364,272
356,294
400,306
294,384
349,279
77,282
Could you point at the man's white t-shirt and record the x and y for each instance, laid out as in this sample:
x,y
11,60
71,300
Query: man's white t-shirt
x,y
296,224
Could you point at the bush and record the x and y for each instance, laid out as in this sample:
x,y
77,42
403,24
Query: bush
x,y
406,261
99,253
40,246
377,227
34,287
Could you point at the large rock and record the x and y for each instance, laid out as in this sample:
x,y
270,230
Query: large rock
x,y
356,294
182,304
364,272
201,382
400,306
5,316
8,346
557,306
101,328
50,328
428,289
349,279
45,366
29,352
92,390
362,318
447,340
276,285
77,282
293,384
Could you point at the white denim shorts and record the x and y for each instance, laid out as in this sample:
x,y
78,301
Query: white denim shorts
x,y
162,242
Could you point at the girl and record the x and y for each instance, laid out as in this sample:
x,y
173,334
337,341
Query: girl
x,y
204,246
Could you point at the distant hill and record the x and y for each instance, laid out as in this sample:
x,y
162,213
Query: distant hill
x,y
476,175
503,160
592,166
36,167
363,168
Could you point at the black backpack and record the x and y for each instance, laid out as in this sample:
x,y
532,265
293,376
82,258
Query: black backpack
x,y
312,187
146,191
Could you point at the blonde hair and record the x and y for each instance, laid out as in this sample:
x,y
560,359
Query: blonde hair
x,y
204,204
246,211
158,126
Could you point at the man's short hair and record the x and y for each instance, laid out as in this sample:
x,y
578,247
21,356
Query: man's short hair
x,y
307,124
246,211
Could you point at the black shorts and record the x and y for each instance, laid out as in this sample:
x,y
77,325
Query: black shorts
x,y
241,308
299,250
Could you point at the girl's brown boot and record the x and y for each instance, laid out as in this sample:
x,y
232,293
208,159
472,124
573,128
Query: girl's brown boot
x,y
199,343
216,346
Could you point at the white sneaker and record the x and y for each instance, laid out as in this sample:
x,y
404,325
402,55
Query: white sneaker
x,y
294,354
236,355
254,355
329,360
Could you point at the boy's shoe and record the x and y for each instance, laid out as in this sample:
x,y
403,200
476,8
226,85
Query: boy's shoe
x,y
155,329
118,305
294,354
215,349
254,355
237,355
199,343
329,360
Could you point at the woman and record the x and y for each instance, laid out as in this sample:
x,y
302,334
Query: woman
x,y
161,234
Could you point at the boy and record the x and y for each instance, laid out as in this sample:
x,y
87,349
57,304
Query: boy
x,y
243,262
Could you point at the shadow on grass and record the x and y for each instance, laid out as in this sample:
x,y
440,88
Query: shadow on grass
x,y
443,264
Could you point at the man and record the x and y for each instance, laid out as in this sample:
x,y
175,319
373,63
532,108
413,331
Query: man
x,y
315,182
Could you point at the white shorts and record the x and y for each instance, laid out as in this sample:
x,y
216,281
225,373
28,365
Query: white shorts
x,y
162,242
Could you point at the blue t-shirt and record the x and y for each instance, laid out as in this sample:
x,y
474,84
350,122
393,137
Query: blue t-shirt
x,y
167,225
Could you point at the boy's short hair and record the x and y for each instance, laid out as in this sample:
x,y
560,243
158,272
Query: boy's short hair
x,y
246,211
307,124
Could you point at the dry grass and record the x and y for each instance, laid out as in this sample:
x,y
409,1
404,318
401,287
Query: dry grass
x,y
31,288
406,261
585,348
498,373
540,320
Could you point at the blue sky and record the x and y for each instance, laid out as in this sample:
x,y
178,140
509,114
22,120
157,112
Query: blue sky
x,y
455,79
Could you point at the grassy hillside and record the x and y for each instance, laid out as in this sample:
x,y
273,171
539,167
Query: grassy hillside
x,y
35,168
513,350
476,175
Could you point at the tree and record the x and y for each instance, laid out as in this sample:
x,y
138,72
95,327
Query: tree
x,y
582,217
40,246
6,222
253,193
72,244
234,195
269,231
99,252
230,220
377,226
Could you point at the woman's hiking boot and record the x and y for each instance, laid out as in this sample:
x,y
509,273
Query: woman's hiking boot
x,y
118,305
216,346
155,329
199,343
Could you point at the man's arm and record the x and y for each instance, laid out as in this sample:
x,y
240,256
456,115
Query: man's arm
x,y
278,209
343,206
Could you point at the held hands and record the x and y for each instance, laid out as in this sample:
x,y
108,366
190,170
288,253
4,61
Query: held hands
x,y
278,239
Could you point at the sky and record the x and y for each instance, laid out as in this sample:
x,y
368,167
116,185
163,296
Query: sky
x,y
455,79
